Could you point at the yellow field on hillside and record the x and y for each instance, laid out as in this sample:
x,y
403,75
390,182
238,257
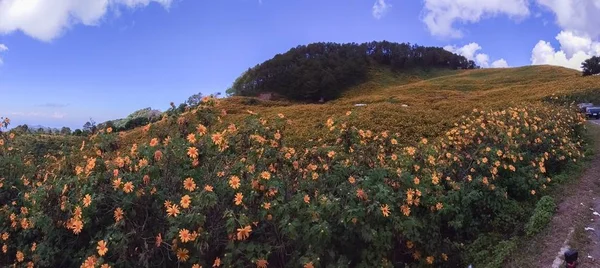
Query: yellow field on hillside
x,y
415,106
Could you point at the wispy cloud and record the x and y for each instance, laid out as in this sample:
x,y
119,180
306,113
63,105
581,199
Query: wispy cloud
x,y
3,48
380,8
54,115
53,105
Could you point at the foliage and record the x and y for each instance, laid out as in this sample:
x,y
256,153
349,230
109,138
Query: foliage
x,y
542,215
239,195
324,70
591,66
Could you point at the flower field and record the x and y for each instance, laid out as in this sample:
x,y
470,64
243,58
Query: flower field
x,y
222,194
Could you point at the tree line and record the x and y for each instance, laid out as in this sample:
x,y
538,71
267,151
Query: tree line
x,y
324,70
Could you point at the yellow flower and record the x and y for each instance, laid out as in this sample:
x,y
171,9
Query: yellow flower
x,y
87,200
102,249
238,198
385,210
189,184
183,254
128,187
185,201
234,182
244,233
185,235
118,214
173,211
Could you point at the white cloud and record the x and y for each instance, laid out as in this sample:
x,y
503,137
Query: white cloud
x,y
55,115
469,51
380,8
46,20
3,48
574,49
501,63
441,15
579,16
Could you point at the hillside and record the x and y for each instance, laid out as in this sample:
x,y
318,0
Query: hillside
x,y
435,99
441,168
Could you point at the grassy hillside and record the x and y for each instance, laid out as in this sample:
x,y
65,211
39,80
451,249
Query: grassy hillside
x,y
435,100
302,185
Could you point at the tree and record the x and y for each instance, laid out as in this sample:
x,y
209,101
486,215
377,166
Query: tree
x,y
65,131
77,132
194,100
591,66
90,126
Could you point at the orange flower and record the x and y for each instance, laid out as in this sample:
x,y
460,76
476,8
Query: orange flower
x,y
429,260
189,184
90,262
331,154
262,263
102,249
192,152
444,257
439,206
173,211
5,236
201,129
217,262
128,187
234,182
405,210
109,130
244,233
158,155
306,199
87,200
309,265
416,180
153,142
385,210
117,183
196,266
76,225
20,256
351,180
360,193
185,201
238,198
105,266
265,175
4,248
185,236
532,192
208,188
183,254
267,206
118,214
191,138
158,240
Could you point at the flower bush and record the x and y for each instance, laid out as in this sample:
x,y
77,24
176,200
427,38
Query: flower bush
x,y
239,196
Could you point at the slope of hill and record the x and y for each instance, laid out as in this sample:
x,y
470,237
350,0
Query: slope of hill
x,y
304,184
416,104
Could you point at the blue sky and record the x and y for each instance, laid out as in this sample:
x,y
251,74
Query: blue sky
x,y
64,61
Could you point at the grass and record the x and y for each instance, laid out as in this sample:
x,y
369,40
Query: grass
x,y
436,99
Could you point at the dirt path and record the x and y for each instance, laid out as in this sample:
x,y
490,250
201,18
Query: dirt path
x,y
578,210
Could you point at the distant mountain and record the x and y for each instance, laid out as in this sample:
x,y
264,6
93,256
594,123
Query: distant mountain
x,y
36,128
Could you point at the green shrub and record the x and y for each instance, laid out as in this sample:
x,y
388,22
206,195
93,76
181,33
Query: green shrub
x,y
542,215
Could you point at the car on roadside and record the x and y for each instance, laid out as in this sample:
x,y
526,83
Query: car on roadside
x,y
592,112
583,106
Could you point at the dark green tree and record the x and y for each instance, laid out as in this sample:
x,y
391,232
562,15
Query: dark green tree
x,y
591,66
